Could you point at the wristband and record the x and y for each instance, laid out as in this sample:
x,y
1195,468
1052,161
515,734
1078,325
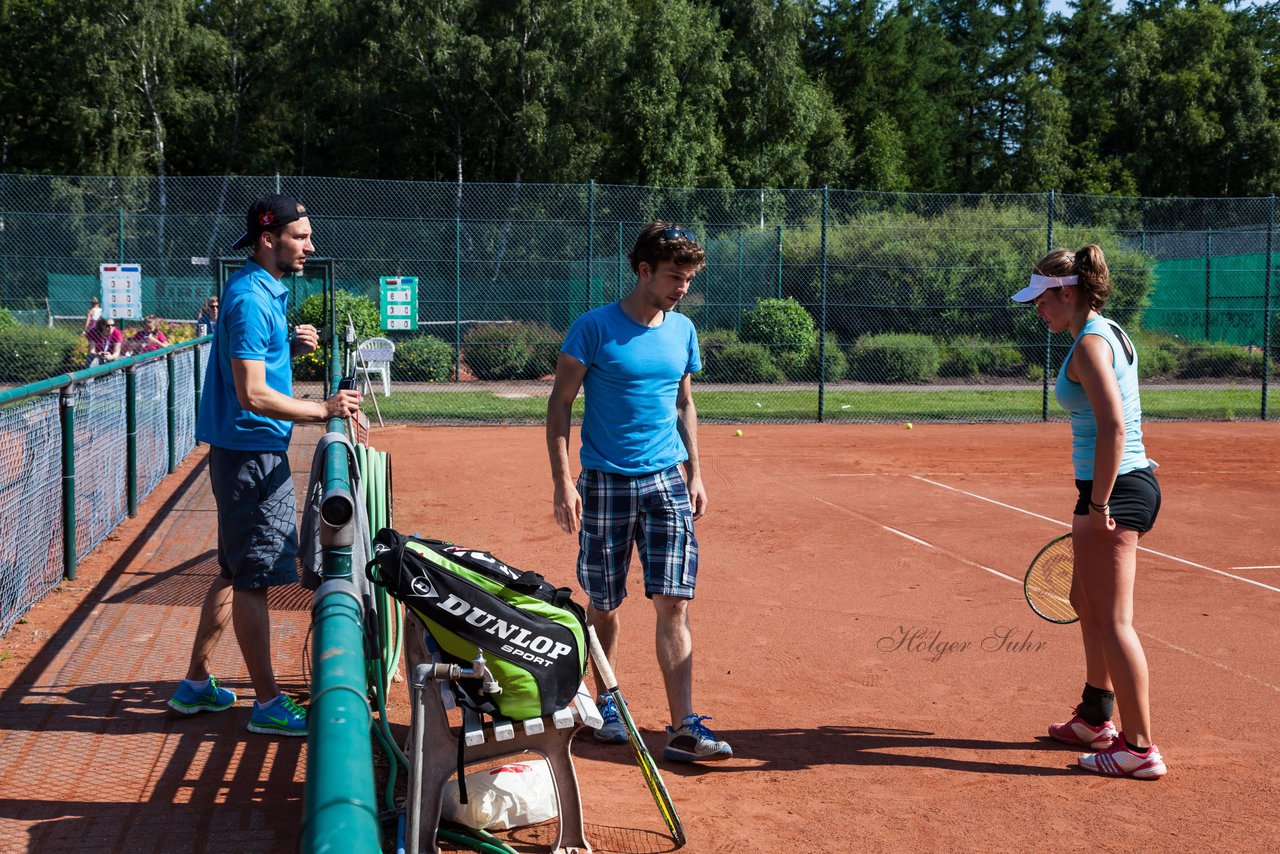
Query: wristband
x,y
1104,509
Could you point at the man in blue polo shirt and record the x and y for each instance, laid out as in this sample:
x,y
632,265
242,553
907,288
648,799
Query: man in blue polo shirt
x,y
634,358
246,416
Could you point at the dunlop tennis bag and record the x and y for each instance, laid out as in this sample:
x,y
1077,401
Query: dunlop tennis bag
x,y
533,635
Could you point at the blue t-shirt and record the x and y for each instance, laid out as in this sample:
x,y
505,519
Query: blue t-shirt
x,y
1084,425
633,377
252,326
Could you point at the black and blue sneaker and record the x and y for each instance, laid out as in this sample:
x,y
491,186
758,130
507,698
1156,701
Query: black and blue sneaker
x,y
693,742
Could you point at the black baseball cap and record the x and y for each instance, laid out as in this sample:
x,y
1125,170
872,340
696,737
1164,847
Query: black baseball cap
x,y
270,211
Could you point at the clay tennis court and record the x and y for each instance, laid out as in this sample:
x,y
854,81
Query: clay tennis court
x,y
858,638
883,686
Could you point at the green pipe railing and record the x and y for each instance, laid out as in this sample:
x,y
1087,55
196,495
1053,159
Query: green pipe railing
x,y
340,806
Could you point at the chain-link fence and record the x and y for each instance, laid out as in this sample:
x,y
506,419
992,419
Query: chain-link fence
x,y
905,297
105,475
30,500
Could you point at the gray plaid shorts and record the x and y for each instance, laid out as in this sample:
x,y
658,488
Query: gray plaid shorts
x,y
257,517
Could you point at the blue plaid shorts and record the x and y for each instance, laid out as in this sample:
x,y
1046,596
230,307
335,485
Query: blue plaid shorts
x,y
652,510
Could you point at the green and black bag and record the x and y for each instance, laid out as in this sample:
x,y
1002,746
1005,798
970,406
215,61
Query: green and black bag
x,y
533,634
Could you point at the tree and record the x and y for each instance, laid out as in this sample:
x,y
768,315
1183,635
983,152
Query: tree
x,y
673,91
774,112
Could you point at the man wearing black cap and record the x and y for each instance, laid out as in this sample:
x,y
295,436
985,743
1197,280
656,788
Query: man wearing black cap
x,y
246,416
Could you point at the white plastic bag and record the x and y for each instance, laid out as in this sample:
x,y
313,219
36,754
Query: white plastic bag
x,y
511,795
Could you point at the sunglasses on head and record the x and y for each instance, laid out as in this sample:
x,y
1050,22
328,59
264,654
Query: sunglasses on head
x,y
678,234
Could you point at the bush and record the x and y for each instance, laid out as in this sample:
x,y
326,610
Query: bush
x,y
496,351
423,360
741,363
895,358
1221,360
974,357
783,327
544,348
364,316
1159,354
32,353
806,369
6,319
713,343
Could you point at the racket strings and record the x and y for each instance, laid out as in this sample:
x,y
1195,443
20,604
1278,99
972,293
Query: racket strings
x,y
1048,582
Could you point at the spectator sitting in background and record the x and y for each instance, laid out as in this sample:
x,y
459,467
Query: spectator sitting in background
x,y
148,337
105,341
92,316
208,316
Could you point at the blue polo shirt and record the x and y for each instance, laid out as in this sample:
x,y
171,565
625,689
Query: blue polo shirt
x,y
252,326
633,377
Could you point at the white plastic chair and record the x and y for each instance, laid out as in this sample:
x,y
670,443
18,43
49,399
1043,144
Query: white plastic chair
x,y
373,356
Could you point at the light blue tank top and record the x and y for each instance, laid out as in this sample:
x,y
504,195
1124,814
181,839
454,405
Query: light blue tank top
x,y
1084,426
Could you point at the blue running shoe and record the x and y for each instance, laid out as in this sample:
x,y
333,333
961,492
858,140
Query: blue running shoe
x,y
214,698
693,742
613,730
282,716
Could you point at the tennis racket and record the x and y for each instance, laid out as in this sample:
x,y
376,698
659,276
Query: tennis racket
x,y
1048,582
647,766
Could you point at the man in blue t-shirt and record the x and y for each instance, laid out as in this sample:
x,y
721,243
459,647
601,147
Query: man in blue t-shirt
x,y
246,416
633,359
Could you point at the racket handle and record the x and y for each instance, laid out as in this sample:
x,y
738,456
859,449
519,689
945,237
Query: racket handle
x,y
601,661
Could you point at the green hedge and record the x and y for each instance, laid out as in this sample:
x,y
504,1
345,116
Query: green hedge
x,y
972,357
805,369
32,353
496,351
741,363
544,349
895,358
364,317
423,360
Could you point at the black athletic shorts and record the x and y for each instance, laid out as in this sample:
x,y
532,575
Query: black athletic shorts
x,y
1134,502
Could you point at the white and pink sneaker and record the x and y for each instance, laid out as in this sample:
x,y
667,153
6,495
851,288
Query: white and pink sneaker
x,y
1078,733
1119,761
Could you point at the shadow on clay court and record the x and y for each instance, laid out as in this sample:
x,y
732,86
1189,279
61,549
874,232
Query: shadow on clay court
x,y
205,780
186,584
798,749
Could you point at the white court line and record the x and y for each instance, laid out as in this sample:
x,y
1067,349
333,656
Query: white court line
x,y
1242,674
1255,567
1065,525
907,536
1214,662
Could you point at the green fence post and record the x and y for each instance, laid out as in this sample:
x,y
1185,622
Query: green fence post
x,y
622,263
131,439
1266,305
822,327
196,378
171,415
120,232
591,243
457,297
1048,336
739,279
1208,285
68,400
779,262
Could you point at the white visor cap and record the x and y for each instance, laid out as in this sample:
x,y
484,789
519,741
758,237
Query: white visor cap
x,y
1039,284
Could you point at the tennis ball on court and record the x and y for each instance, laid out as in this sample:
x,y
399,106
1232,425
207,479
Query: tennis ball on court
x,y
909,425
737,432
